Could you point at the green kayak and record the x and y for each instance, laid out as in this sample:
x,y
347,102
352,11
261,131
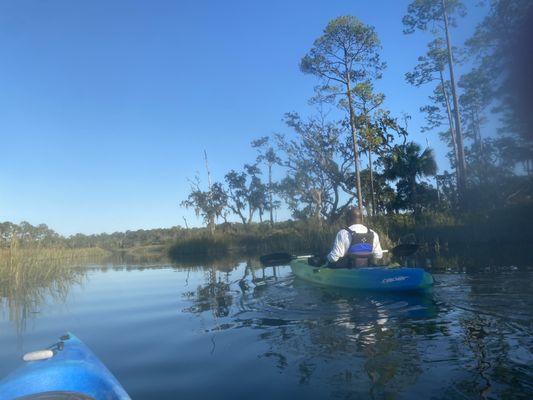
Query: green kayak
x,y
371,278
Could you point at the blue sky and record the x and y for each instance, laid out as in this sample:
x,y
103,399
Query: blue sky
x,y
106,106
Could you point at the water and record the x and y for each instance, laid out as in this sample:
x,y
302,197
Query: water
x,y
234,331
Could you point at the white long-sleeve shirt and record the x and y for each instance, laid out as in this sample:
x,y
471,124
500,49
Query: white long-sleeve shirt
x,y
344,239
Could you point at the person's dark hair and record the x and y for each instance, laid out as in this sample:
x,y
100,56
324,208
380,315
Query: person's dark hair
x,y
354,216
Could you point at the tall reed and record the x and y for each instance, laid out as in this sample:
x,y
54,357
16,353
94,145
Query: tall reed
x,y
30,274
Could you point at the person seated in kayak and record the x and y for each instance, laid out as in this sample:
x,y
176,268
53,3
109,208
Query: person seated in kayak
x,y
356,244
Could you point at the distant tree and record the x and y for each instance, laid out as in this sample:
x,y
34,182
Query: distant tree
x,y
28,234
208,204
426,197
238,192
246,193
502,58
438,16
476,97
7,231
446,190
384,201
346,54
267,156
317,160
406,163
431,69
377,132
367,102
261,197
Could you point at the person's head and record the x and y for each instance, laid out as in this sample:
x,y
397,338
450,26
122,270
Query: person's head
x,y
354,216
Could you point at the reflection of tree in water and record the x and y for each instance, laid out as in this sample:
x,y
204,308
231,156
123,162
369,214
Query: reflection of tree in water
x,y
342,344
489,342
495,340
223,263
215,294
219,292
473,257
347,344
354,345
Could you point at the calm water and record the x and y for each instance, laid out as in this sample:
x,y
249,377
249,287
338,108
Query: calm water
x,y
237,332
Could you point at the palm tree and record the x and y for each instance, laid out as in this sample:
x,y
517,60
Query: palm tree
x,y
407,163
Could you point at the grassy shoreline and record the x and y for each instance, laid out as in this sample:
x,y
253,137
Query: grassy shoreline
x,y
28,275
437,231
500,235
16,257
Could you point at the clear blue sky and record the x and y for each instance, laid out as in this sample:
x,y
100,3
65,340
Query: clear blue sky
x,y
106,106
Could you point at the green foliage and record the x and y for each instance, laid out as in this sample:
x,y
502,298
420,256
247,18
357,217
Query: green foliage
x,y
254,239
407,163
385,196
269,157
317,162
498,48
439,16
208,204
425,14
33,269
25,233
246,192
347,54
314,162
432,228
347,51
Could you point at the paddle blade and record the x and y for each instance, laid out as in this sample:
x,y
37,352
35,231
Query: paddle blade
x,y
405,250
276,259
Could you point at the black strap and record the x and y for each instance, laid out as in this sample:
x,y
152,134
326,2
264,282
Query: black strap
x,y
347,228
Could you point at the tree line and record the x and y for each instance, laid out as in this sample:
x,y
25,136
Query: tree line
x,y
28,235
320,162
352,150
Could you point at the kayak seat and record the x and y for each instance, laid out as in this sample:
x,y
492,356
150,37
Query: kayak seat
x,y
317,261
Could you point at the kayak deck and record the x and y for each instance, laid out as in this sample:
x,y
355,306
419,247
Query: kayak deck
x,y
73,370
370,278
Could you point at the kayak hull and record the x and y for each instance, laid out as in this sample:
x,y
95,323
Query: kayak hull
x,y
371,278
73,369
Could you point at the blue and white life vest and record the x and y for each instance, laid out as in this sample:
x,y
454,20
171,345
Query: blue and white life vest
x,y
361,245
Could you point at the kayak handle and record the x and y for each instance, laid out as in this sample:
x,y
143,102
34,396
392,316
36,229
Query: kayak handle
x,y
38,355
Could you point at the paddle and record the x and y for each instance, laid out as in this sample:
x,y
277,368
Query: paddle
x,y
405,250
273,259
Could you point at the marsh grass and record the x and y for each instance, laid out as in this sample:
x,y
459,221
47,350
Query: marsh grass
x,y
297,237
31,274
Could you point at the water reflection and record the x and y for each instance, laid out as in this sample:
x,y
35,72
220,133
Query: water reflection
x,y
332,336
376,345
471,337
25,288
460,257
493,331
